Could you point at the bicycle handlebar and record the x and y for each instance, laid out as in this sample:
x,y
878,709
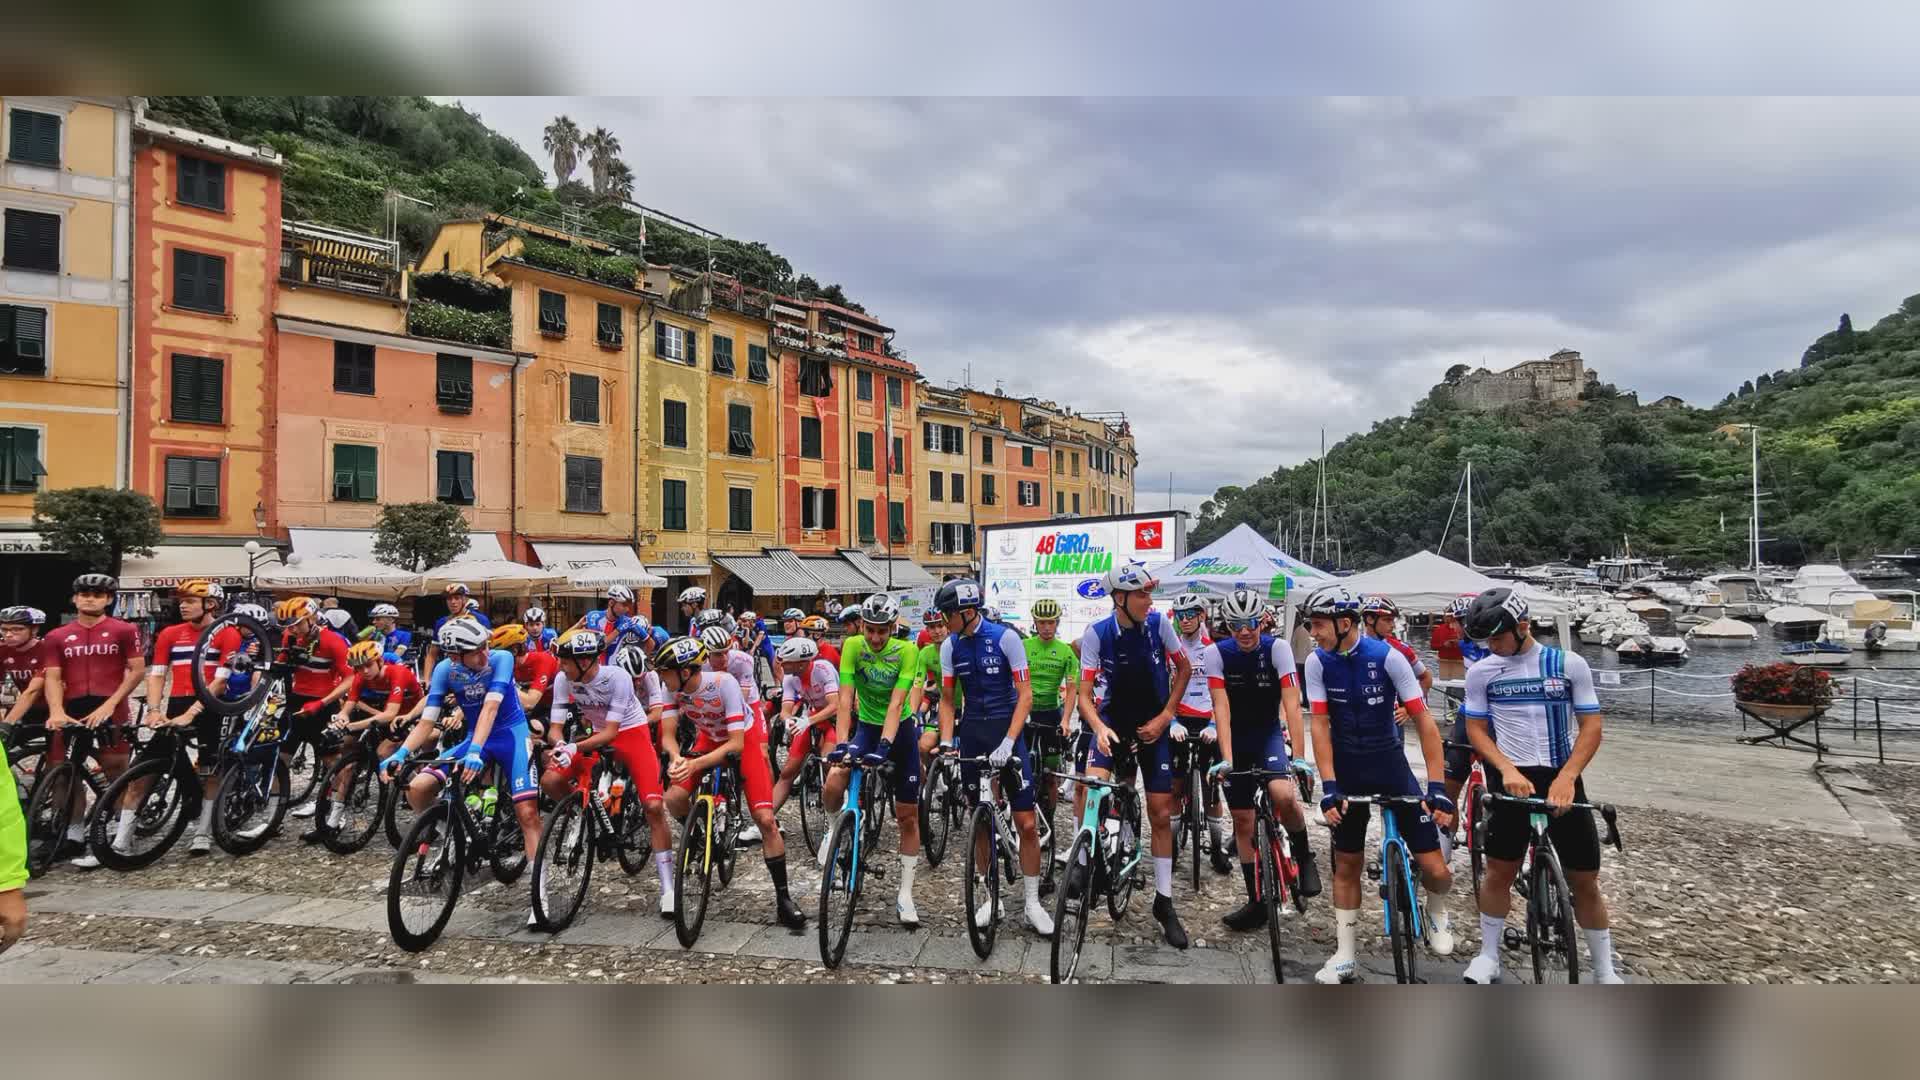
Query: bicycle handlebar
x,y
1607,811
1011,768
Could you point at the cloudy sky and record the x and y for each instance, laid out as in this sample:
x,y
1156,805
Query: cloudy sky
x,y
1236,274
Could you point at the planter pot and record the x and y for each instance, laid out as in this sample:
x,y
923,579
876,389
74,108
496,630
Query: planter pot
x,y
1780,713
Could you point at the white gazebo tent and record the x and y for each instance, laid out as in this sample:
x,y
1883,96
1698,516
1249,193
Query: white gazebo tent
x,y
495,577
1426,583
337,574
1240,559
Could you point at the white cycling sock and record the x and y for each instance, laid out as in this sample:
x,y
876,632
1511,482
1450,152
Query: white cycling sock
x,y
1446,845
1492,929
206,817
908,864
663,862
77,832
1600,950
126,829
1033,893
1346,926
1163,875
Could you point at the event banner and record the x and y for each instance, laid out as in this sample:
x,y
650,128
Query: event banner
x,y
1065,559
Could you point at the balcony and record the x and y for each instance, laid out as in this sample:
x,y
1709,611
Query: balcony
x,y
305,267
787,336
734,296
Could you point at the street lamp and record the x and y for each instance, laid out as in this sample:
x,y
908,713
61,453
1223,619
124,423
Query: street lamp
x,y
259,517
255,556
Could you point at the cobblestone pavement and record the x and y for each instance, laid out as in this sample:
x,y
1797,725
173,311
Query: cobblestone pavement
x,y
1694,898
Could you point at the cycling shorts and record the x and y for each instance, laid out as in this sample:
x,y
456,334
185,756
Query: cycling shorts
x,y
508,750
111,737
1155,760
206,731
1381,774
1255,749
976,742
1459,762
310,728
810,738
1043,720
1574,835
756,776
634,747
905,755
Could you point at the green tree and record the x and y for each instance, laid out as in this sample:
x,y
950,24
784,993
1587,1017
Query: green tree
x,y
99,526
416,536
603,149
1456,373
562,140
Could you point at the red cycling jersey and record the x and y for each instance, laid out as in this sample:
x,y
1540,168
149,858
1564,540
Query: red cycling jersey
x,y
376,692
19,667
535,671
92,659
173,654
326,665
831,654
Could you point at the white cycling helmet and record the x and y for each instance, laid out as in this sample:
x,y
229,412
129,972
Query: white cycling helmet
x,y
631,660
1129,576
460,636
534,614
1189,603
696,596
1242,605
879,610
386,610
716,637
255,612
620,593
712,617
1331,600
797,650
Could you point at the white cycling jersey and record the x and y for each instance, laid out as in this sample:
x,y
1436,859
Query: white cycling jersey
x,y
1197,702
608,696
817,692
1530,700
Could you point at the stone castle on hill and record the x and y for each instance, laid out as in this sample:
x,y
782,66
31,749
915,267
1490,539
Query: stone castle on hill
x,y
1559,378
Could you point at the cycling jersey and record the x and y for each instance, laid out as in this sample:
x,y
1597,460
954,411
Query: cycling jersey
x,y
618,630
815,688
13,830
1137,663
536,671
607,697
830,653
714,704
1049,664
1530,700
876,674
393,644
739,665
473,689
173,654
1197,702
323,668
19,667
987,666
376,692
1252,679
1357,691
472,613
92,659
543,641
1473,652
1418,665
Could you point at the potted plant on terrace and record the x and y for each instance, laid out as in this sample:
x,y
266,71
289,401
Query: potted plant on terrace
x,y
1782,691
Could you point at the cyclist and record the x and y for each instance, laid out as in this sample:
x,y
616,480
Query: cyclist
x,y
983,671
816,627
92,665
540,636
606,698
173,653
1522,704
924,701
459,604
1381,616
812,683
381,690
711,702
791,621
691,602
1352,683
716,630
393,642
23,660
1255,686
321,676
617,622
1146,669
1053,669
481,683
876,673
1470,652
1193,730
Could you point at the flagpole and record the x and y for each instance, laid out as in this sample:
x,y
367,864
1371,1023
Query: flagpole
x,y
886,422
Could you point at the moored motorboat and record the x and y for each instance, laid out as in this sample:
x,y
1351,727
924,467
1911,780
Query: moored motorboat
x,y
1723,631
1651,649
1816,653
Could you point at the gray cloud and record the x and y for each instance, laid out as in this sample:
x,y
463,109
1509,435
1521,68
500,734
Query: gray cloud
x,y
1237,274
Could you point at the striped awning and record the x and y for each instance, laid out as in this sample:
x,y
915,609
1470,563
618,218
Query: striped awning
x,y
778,572
837,575
907,574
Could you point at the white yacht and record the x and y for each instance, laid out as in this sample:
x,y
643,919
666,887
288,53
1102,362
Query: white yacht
x,y
1818,585
1877,625
1743,596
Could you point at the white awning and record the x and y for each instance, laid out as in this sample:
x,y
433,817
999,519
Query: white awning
x,y
25,543
341,574
358,543
590,568
495,577
171,564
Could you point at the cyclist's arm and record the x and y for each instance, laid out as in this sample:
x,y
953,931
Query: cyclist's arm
x,y
892,724
1223,721
843,709
1089,676
946,695
1473,706
157,670
1586,709
26,699
56,693
907,681
1069,687
1182,668
1322,724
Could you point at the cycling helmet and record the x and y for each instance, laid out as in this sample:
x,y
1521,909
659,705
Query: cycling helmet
x,y
96,583
255,612
384,611
712,617
1188,603
620,593
1494,612
455,589
1458,607
296,609
717,638
1332,600
797,650
815,624
17,616
201,589
696,596
681,654
507,636
1044,610
932,617
1242,605
461,636
879,610
363,652
581,645
641,623
338,618
793,614
958,595
748,618
1378,605
631,660
535,614
1129,576
848,615
239,663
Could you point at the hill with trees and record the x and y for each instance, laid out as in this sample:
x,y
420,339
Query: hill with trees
x,y
1839,461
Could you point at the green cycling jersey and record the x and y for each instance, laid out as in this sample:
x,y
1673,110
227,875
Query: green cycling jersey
x,y
1049,663
875,675
13,831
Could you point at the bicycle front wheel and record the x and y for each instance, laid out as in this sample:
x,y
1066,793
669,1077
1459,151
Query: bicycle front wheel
x,y
1398,874
250,804
635,841
1476,832
563,866
934,820
839,891
424,883
1196,820
352,788
1073,898
163,798
1556,950
693,885
983,882
303,772
1268,877
813,817
508,852
1122,859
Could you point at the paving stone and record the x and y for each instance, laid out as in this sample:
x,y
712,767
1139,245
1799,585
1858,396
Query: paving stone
x,y
719,937
394,977
1165,964
780,943
615,928
252,972
259,907
55,965
1096,959
151,969
322,912
954,952
891,947
60,901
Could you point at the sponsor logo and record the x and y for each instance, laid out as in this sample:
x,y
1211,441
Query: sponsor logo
x,y
1212,565
1554,688
1009,545
1147,536
1070,553
1091,589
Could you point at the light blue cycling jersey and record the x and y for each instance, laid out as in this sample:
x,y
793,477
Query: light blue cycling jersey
x,y
471,689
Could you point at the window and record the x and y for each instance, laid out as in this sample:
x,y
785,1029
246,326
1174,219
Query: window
x,y
352,368
35,139
740,430
899,456
675,343
23,340
20,468
583,398
937,538
740,509
863,385
198,385
609,326
200,282
810,437
1029,493
722,355
1074,458
757,363
897,522
201,183
815,379
866,520
987,497
951,538
957,491
942,438
936,483
583,484
455,470
1059,502
673,423
33,241
355,473
1059,461
986,449
553,312
673,505
865,341
193,487
819,508
862,450
1076,502
894,391
1026,457
453,383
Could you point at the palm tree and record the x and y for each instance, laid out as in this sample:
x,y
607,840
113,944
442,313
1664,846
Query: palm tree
x,y
603,149
562,139
619,181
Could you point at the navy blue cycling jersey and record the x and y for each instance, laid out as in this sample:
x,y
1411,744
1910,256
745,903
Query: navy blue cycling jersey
x,y
1357,691
1136,663
988,665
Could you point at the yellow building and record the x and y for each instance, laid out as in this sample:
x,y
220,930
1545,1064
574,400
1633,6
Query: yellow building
x,y
943,484
743,443
676,433
66,191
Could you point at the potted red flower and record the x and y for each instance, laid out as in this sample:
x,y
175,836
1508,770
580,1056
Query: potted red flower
x,y
1782,691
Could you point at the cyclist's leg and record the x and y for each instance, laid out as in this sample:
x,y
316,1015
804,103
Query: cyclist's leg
x,y
1576,839
511,753
799,746
1349,861
1508,832
1459,762
679,795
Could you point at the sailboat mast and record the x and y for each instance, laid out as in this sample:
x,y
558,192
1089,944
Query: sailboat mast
x,y
1469,513
1756,498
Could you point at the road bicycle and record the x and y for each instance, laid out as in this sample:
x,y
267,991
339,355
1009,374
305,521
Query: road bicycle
x,y
1473,823
1549,936
272,680
599,820
447,841
854,839
807,786
1275,873
1400,907
1104,860
1203,792
164,791
943,806
708,842
255,784
56,785
993,848
354,786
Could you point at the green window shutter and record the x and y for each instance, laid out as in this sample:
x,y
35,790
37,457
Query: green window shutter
x,y
866,520
179,485
864,445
